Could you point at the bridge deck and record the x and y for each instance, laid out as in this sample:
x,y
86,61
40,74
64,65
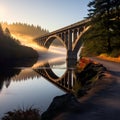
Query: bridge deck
x,y
66,28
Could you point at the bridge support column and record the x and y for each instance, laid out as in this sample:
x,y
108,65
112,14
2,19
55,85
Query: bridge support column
x,y
71,58
74,35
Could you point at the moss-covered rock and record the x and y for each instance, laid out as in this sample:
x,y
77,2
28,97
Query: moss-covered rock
x,y
61,104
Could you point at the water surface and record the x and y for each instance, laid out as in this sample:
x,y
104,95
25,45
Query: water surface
x,y
22,87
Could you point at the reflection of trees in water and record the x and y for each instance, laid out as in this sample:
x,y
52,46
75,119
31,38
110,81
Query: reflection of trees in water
x,y
16,75
7,70
6,74
25,74
71,81
1,85
67,82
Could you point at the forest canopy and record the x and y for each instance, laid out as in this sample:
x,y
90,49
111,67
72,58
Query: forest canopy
x,y
24,29
104,33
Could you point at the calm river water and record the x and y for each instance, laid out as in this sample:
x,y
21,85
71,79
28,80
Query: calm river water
x,y
23,87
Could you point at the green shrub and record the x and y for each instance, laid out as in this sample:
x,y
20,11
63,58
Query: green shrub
x,y
21,114
115,53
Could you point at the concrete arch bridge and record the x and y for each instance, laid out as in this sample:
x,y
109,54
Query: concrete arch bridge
x,y
70,36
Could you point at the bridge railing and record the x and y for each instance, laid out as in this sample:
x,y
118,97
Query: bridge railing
x,y
72,26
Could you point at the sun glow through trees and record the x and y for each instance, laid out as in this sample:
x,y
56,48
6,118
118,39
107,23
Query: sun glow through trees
x,y
28,41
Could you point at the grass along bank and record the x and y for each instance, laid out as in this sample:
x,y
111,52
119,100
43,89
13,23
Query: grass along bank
x,y
109,58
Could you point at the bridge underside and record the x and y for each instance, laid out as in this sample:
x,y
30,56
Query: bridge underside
x,y
70,36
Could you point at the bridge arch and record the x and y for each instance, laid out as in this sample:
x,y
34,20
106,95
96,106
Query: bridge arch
x,y
70,36
78,43
51,75
50,39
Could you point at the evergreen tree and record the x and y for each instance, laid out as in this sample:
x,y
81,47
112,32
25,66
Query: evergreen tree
x,y
100,14
104,33
104,15
1,30
116,8
7,32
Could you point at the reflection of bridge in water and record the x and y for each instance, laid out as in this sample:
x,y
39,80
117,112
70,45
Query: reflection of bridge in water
x,y
65,82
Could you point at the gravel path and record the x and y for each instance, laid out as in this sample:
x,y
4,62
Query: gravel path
x,y
113,68
105,104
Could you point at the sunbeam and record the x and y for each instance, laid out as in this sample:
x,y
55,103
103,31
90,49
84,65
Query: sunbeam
x,y
57,50
28,41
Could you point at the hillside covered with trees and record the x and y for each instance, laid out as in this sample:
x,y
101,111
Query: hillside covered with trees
x,y
104,33
26,32
24,29
11,49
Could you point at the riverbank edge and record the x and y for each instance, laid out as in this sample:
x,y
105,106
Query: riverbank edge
x,y
69,102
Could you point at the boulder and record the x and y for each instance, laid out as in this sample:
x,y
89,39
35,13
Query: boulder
x,y
61,104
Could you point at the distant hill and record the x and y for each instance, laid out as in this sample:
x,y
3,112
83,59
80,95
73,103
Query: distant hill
x,y
11,49
24,29
26,33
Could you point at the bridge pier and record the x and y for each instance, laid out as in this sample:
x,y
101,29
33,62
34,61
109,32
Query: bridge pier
x,y
71,59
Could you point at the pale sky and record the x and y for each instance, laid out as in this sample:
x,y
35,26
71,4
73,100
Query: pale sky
x,y
49,14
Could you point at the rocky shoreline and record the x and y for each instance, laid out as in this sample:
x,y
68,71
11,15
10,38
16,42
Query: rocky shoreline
x,y
92,77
